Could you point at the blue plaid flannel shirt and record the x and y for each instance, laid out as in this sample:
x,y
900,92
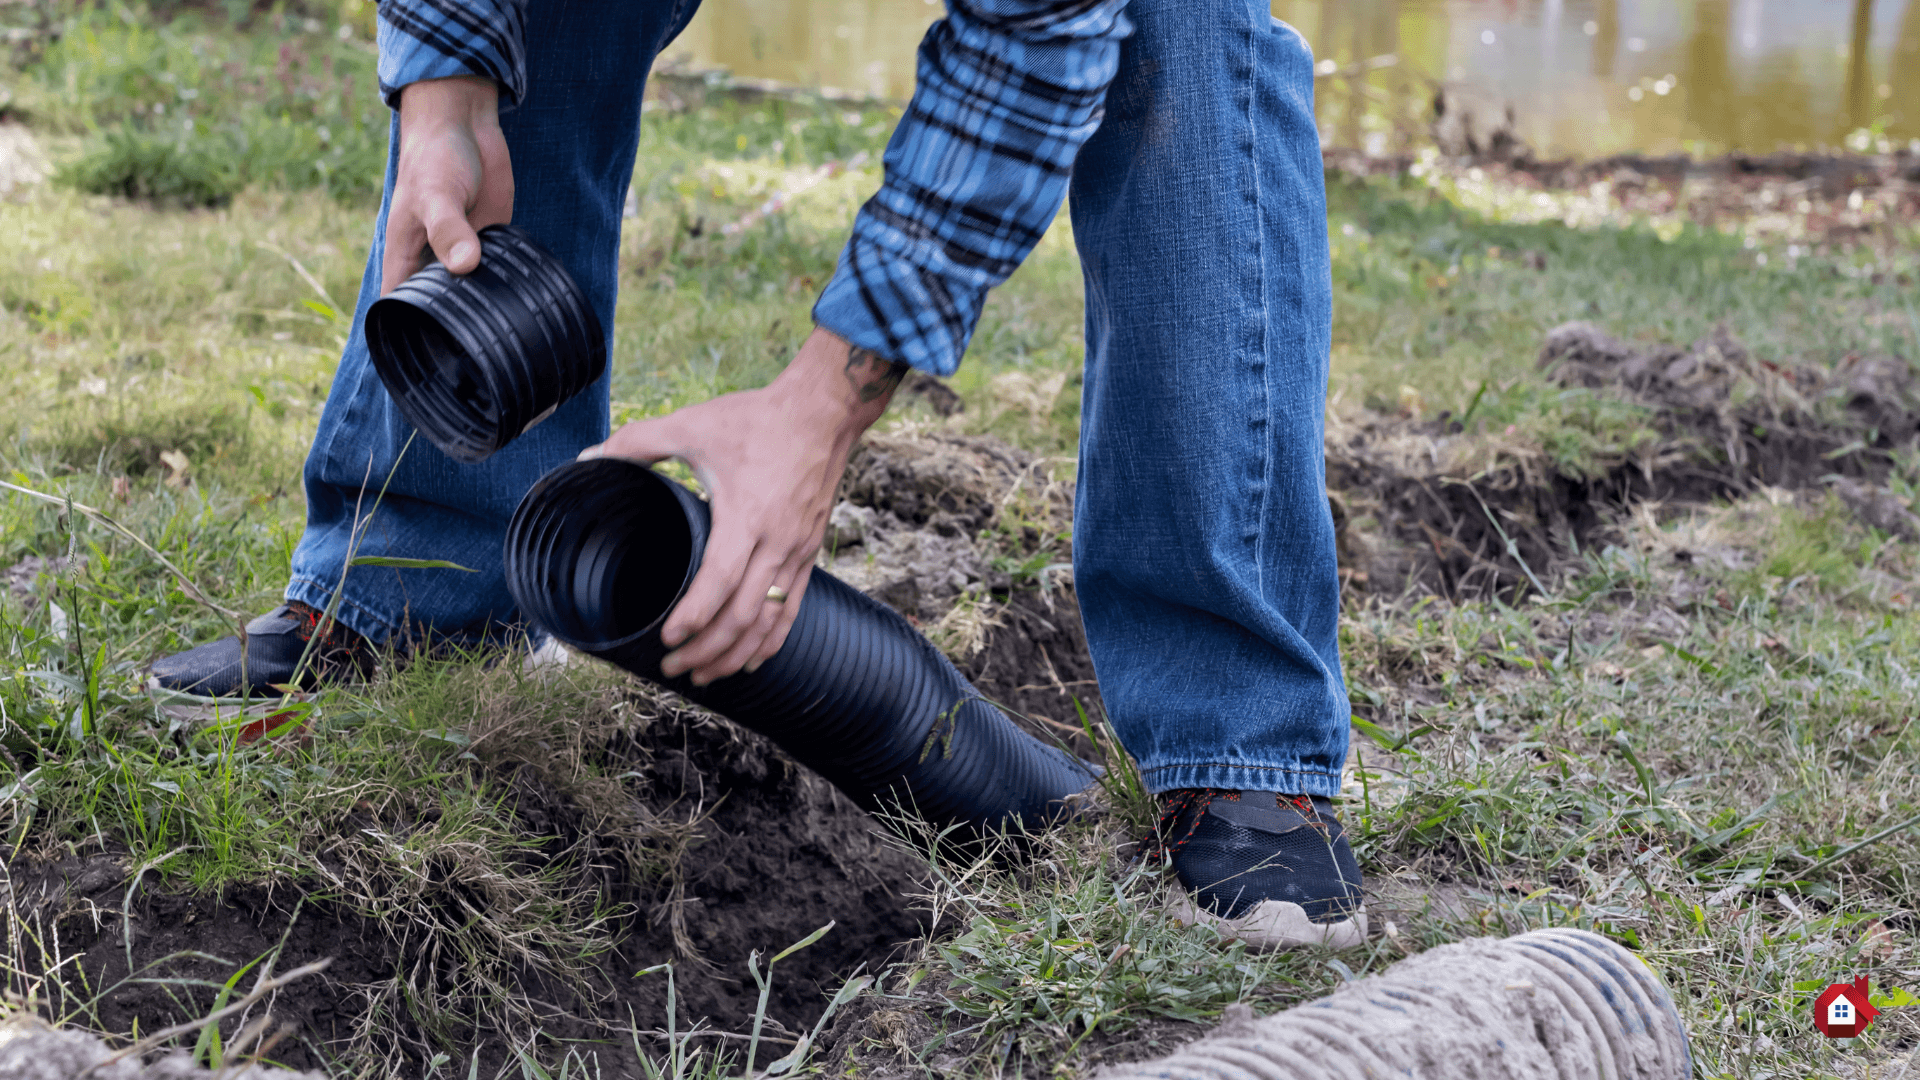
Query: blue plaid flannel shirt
x,y
1007,92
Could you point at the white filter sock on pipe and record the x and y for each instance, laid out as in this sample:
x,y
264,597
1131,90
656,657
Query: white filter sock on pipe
x,y
1544,1005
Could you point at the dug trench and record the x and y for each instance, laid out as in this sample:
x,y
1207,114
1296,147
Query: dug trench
x,y
730,848
727,848
1428,506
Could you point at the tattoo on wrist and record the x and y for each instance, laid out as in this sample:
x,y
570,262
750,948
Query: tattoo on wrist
x,y
871,377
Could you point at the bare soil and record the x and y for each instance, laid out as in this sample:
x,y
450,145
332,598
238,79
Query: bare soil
x,y
781,855
1425,506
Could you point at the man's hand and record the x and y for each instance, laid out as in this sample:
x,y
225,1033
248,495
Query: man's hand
x,y
454,177
770,460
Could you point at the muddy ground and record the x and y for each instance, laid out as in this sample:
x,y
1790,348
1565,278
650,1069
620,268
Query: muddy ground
x,y
1818,200
968,538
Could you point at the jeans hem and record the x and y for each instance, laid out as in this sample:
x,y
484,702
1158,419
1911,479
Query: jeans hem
x,y
317,594
1289,779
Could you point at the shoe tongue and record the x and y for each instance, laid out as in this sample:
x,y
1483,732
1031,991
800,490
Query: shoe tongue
x,y
1263,810
280,620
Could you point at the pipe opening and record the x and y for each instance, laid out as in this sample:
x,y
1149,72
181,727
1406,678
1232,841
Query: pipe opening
x,y
439,379
612,551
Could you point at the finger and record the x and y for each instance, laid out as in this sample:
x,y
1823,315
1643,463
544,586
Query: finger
x,y
753,647
404,240
645,441
452,236
783,617
494,205
710,654
744,648
722,567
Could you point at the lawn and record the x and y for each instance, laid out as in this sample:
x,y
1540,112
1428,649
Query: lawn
x,y
1692,728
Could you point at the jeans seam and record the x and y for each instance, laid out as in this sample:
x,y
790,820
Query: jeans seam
x,y
1262,500
1314,769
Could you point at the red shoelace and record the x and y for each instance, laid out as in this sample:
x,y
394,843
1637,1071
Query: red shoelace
x,y
1158,845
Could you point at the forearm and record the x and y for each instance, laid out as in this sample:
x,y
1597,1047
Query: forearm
x,y
841,389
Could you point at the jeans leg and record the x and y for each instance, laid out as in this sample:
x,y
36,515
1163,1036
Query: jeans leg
x,y
572,142
1203,547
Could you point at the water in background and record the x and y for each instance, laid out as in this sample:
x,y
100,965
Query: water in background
x,y
1585,77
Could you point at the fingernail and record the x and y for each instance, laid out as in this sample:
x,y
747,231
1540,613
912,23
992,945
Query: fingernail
x,y
589,454
672,638
752,666
670,666
460,253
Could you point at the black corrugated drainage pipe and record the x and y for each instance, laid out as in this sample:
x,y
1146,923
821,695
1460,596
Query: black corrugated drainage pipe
x,y
600,551
475,360
1544,1005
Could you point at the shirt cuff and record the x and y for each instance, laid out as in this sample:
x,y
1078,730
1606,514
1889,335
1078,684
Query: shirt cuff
x,y
883,302
439,39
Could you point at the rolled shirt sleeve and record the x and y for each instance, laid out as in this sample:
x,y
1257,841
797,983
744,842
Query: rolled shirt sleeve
x,y
438,39
1007,93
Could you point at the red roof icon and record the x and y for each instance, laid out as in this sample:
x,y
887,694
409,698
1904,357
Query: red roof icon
x,y
1842,1010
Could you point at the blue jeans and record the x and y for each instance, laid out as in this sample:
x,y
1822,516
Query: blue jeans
x,y
1204,551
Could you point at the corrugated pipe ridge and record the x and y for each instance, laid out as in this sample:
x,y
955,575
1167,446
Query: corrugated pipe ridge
x,y
1543,1005
600,551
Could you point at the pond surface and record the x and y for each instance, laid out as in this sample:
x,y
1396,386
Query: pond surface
x,y
1585,77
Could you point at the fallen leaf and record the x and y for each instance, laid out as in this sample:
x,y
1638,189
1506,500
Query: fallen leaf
x,y
292,720
1876,942
176,463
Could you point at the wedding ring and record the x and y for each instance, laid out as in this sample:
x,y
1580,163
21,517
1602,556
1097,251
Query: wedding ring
x,y
777,594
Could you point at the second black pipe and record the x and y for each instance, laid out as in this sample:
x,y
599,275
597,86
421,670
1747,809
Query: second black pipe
x,y
600,551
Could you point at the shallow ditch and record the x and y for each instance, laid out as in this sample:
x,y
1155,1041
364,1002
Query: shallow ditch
x,y
1424,506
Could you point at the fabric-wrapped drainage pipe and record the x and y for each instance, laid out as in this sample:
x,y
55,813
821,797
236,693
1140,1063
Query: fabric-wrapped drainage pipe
x,y
1544,1005
475,360
600,551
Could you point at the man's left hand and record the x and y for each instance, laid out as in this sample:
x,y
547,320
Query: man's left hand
x,y
771,461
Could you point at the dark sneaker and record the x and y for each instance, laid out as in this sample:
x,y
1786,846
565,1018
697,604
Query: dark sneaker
x,y
1274,871
275,643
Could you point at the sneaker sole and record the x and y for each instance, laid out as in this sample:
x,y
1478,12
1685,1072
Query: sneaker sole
x,y
164,695
1273,924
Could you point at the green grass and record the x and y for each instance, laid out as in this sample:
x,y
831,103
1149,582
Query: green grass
x,y
1442,298
1678,746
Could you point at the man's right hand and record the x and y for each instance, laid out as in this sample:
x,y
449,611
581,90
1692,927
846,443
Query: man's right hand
x,y
454,177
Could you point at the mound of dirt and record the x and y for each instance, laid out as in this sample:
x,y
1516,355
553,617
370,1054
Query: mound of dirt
x,y
774,853
1427,506
971,539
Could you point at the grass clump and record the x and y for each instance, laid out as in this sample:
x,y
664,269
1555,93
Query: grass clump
x,y
187,111
178,171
